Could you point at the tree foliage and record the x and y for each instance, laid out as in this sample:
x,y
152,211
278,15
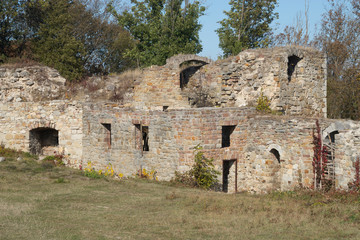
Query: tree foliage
x,y
161,29
77,37
298,33
339,38
247,25
55,45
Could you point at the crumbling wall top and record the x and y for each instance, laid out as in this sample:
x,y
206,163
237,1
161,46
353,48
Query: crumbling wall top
x,y
175,61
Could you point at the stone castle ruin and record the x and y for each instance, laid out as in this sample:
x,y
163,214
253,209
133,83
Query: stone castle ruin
x,y
191,100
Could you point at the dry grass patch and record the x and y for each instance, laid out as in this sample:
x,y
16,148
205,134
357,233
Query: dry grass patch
x,y
35,205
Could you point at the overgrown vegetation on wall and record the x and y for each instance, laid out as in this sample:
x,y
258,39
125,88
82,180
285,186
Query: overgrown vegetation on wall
x,y
319,159
202,174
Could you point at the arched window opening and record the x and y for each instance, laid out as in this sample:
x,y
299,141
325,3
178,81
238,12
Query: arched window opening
x,y
332,136
189,68
330,145
292,62
41,138
276,154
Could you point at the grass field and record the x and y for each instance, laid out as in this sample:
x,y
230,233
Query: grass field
x,y
38,201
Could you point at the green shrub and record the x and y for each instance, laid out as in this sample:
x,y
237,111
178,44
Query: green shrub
x,y
263,104
202,174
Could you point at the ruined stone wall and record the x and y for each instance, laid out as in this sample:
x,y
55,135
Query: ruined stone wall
x,y
160,85
173,134
265,152
292,78
347,148
297,91
33,83
17,119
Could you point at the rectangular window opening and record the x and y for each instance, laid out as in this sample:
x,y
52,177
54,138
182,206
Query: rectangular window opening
x,y
107,126
142,137
226,133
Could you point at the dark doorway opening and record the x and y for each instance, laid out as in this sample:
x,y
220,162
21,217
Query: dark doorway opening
x,y
332,136
225,135
292,62
43,137
229,178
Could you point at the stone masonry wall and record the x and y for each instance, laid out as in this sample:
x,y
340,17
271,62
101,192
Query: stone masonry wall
x,y
17,119
108,133
160,85
33,83
174,133
265,71
292,78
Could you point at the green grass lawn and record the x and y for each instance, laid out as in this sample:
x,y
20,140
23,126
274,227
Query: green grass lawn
x,y
38,201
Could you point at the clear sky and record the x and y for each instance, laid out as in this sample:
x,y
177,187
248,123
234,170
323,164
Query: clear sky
x,y
287,9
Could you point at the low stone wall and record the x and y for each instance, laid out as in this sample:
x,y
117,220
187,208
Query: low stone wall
x,y
255,153
18,119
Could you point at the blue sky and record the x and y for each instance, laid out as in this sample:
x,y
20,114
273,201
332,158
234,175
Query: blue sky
x,y
287,9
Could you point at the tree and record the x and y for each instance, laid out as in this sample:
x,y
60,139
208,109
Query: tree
x,y
55,45
9,32
339,38
104,41
247,25
161,29
55,33
297,34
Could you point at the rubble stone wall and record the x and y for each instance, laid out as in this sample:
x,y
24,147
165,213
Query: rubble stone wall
x,y
294,88
266,71
27,84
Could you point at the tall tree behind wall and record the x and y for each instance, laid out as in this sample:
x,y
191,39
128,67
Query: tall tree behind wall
x,y
105,42
13,28
298,33
55,45
247,25
161,29
339,38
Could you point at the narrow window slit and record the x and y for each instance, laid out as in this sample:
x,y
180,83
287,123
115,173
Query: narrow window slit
x,y
107,126
276,154
292,62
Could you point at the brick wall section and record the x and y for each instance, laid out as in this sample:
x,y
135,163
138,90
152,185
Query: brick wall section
x,y
173,135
